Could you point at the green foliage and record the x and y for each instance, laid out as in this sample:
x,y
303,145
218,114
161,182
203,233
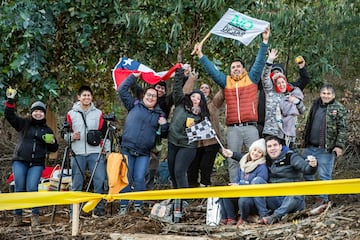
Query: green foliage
x,y
49,48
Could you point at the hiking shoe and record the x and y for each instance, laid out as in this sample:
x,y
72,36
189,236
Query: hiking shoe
x,y
35,220
223,221
139,209
268,220
98,213
123,210
231,221
319,202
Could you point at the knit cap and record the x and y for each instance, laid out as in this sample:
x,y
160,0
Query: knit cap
x,y
38,105
259,144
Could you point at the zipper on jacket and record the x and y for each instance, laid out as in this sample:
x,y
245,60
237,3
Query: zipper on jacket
x,y
237,101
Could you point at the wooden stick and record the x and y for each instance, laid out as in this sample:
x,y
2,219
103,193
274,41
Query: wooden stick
x,y
218,140
202,41
75,219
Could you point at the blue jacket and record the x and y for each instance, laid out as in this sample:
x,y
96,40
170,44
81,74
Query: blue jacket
x,y
141,123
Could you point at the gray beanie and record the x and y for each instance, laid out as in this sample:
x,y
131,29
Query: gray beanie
x,y
38,105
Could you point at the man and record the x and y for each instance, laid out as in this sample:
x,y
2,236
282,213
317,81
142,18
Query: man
x,y
240,91
83,118
325,134
285,166
301,83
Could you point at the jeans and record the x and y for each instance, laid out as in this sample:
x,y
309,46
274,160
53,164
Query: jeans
x,y
228,208
179,160
137,167
89,162
236,137
325,162
253,205
27,178
285,204
203,162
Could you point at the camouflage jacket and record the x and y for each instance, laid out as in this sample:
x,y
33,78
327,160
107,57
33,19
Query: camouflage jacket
x,y
336,124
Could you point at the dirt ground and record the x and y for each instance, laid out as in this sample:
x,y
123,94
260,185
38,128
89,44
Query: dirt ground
x,y
341,221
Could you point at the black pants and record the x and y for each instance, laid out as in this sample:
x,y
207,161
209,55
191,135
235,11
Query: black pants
x,y
203,162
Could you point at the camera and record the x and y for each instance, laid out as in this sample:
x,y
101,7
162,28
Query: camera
x,y
66,125
109,117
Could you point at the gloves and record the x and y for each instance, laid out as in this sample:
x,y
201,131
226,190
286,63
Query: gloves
x,y
10,93
48,138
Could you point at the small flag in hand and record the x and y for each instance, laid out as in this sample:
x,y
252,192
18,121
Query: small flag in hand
x,y
200,131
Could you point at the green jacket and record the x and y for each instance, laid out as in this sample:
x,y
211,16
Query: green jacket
x,y
336,124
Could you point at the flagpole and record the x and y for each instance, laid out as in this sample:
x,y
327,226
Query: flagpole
x,y
218,140
202,41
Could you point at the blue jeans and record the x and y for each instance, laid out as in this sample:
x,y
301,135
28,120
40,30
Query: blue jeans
x,y
137,167
179,160
253,205
285,204
325,162
228,208
88,162
27,178
236,137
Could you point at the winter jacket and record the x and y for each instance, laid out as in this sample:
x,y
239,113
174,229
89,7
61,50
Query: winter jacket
x,y
141,123
335,124
30,146
94,121
240,94
245,177
280,115
177,133
288,167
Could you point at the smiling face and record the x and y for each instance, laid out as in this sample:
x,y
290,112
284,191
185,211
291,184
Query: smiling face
x,y
256,153
161,90
327,95
281,84
150,98
38,114
273,148
236,69
85,99
205,89
195,99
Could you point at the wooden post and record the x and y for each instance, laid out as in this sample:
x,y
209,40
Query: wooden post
x,y
75,219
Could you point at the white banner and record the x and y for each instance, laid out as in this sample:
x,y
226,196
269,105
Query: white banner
x,y
238,26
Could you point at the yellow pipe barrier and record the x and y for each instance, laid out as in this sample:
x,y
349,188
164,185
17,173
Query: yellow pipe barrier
x,y
10,201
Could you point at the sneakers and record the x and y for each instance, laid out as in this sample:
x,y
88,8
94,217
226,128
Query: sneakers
x,y
17,221
319,202
98,213
123,210
231,221
35,220
138,209
320,208
269,220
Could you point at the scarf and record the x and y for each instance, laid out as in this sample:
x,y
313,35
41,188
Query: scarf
x,y
248,165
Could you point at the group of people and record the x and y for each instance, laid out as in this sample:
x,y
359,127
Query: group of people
x,y
271,158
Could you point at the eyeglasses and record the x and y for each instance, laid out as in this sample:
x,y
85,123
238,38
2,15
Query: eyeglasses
x,y
151,95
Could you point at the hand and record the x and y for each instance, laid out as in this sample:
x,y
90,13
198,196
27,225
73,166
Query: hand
x,y
136,74
75,136
272,55
266,35
187,69
193,75
300,61
293,99
311,160
10,93
227,153
162,121
198,49
338,151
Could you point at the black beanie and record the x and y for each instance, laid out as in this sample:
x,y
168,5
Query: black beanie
x,y
162,83
38,105
279,67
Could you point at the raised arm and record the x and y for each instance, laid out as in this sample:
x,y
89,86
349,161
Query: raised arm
x,y
124,91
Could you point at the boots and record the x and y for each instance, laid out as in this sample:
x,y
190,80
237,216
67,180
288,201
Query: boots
x,y
17,221
35,220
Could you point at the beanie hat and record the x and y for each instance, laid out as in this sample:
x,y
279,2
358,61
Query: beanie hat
x,y
279,67
260,144
38,105
162,83
277,76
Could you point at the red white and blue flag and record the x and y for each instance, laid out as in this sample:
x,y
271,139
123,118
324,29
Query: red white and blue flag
x,y
126,66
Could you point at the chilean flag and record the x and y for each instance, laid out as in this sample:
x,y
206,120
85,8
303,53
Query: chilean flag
x,y
126,66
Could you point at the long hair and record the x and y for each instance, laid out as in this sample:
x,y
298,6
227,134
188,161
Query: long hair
x,y
203,105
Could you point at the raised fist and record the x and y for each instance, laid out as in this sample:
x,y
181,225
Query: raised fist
x,y
10,93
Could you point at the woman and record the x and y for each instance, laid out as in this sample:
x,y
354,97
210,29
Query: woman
x,y
35,142
253,170
207,149
143,121
286,100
